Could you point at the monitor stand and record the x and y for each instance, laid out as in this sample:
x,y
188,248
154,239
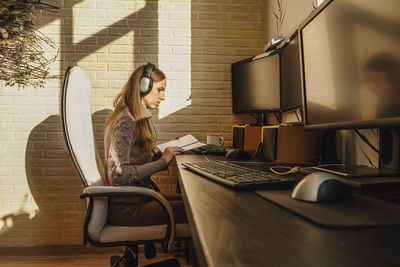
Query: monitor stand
x,y
261,118
355,170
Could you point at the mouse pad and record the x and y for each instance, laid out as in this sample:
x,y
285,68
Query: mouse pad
x,y
356,211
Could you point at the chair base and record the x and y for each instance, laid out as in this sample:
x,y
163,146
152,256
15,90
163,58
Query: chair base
x,y
130,259
165,263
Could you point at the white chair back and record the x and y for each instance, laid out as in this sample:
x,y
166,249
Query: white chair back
x,y
77,125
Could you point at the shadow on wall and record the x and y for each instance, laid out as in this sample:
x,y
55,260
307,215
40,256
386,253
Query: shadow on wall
x,y
55,187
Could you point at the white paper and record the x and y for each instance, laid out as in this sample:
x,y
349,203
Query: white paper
x,y
186,142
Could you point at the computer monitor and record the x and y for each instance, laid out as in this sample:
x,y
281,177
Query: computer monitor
x,y
350,62
255,85
350,59
290,74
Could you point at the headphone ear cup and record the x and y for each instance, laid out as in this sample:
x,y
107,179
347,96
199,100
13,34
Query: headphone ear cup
x,y
146,83
145,86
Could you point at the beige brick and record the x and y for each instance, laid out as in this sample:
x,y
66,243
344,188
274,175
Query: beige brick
x,y
89,66
179,15
148,15
194,110
15,109
156,50
111,5
175,6
99,84
5,206
112,58
6,136
215,85
119,67
6,188
213,16
146,41
116,84
216,67
207,25
119,49
136,5
87,48
79,3
112,75
23,100
205,7
143,23
81,57
90,13
84,31
110,22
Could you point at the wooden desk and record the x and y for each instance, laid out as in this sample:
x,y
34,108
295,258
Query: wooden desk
x,y
233,228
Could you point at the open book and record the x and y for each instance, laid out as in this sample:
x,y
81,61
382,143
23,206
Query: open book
x,y
186,142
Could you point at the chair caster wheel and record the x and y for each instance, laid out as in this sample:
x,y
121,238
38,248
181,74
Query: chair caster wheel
x,y
149,251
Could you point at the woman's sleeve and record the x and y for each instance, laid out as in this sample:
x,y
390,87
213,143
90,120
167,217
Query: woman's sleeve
x,y
122,171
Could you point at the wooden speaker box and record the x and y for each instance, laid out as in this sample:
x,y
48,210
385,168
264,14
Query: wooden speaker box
x,y
246,137
289,144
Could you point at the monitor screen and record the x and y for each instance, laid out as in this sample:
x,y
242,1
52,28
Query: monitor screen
x,y
350,53
255,85
290,74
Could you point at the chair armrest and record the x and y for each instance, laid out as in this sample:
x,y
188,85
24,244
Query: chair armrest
x,y
102,191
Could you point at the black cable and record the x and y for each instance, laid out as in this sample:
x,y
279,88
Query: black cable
x,y
295,112
365,154
301,115
366,141
372,130
278,118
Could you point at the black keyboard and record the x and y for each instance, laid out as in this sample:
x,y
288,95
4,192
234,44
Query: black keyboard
x,y
239,177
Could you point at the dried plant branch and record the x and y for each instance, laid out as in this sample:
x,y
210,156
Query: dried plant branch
x,y
280,16
22,59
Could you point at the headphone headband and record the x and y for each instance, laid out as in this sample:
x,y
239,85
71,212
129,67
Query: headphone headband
x,y
146,83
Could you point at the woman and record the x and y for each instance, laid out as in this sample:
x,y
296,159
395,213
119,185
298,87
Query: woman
x,y
129,151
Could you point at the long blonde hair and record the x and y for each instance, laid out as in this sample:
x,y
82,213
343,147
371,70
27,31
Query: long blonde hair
x,y
130,99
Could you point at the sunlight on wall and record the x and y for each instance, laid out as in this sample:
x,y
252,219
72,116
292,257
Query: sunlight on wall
x,y
103,14
174,58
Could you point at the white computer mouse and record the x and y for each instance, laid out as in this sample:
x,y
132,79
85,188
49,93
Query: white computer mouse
x,y
321,187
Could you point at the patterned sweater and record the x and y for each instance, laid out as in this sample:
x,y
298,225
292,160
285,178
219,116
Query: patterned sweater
x,y
126,163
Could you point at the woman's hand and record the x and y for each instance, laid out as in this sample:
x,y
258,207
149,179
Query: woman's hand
x,y
170,152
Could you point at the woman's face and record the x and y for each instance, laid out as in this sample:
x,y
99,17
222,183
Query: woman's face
x,y
156,95
379,83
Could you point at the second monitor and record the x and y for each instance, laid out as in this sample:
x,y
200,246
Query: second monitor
x,y
268,84
290,74
256,85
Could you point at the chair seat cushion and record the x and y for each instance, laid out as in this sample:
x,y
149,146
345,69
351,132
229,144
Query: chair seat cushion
x,y
137,233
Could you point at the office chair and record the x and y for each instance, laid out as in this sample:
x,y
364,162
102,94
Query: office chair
x,y
78,133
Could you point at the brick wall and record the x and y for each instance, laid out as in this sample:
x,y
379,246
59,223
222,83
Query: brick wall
x,y
193,42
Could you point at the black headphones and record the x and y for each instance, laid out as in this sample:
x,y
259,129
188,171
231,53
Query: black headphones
x,y
146,83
